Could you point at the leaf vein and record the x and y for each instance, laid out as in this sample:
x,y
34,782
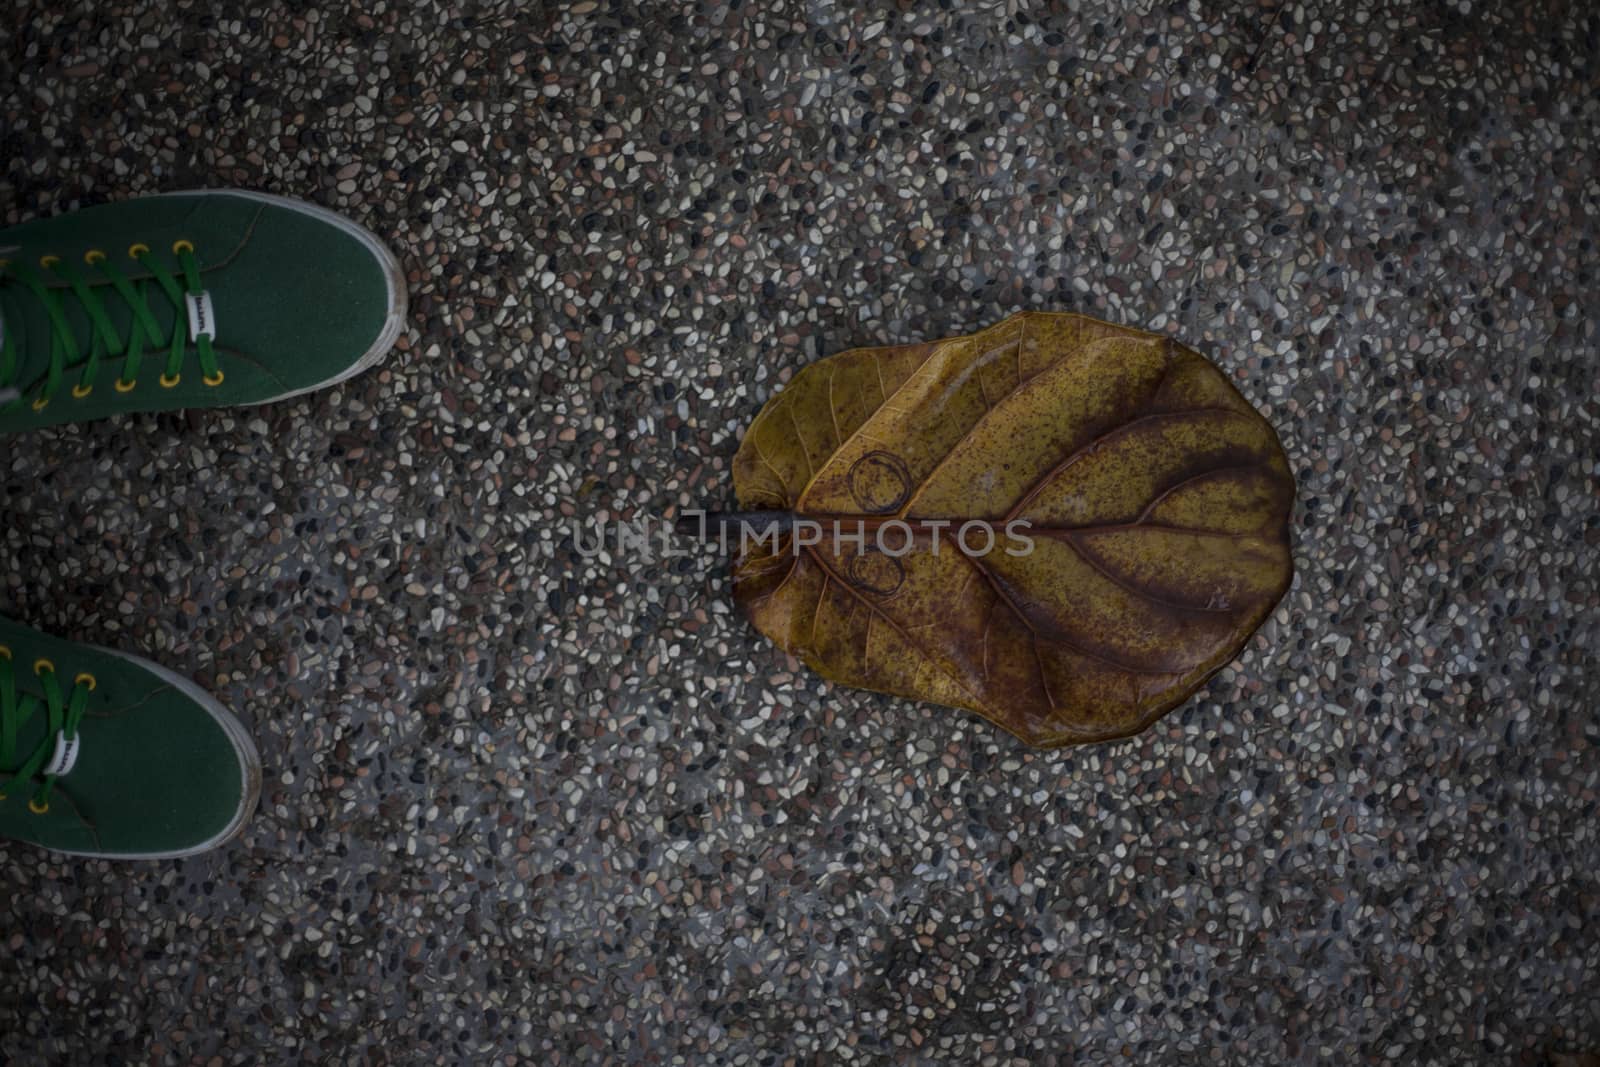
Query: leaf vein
x,y
1148,508
811,470
994,583
980,362
833,412
904,635
1100,439
1070,540
776,473
816,612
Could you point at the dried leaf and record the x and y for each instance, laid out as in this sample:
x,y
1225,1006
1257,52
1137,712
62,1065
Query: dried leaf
x,y
1158,502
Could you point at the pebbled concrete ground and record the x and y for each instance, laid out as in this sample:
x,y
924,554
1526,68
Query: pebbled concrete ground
x,y
527,806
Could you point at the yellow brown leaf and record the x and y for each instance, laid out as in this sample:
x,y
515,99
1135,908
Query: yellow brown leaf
x,y
1156,498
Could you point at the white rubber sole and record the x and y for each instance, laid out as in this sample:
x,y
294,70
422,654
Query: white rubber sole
x,y
244,749
394,279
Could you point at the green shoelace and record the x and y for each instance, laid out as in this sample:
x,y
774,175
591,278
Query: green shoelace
x,y
105,342
63,714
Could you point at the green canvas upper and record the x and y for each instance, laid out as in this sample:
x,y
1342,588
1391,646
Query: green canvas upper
x,y
99,297
159,771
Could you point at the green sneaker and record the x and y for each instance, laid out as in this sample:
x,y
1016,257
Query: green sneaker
x,y
187,300
107,755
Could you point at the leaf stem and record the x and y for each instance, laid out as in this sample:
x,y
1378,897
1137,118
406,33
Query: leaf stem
x,y
716,525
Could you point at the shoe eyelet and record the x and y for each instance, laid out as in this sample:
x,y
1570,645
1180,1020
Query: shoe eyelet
x,y
37,808
125,387
81,391
49,262
181,245
93,256
40,665
213,382
87,679
40,404
137,249
169,383
5,653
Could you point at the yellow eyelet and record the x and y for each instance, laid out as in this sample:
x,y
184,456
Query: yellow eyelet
x,y
37,808
93,256
182,246
40,404
5,653
2,796
85,679
213,382
43,665
80,391
168,383
125,387
49,262
137,250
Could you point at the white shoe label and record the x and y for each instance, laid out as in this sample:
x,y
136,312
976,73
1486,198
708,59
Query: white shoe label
x,y
202,320
66,755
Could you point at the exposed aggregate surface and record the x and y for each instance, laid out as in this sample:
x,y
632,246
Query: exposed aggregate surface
x,y
524,805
